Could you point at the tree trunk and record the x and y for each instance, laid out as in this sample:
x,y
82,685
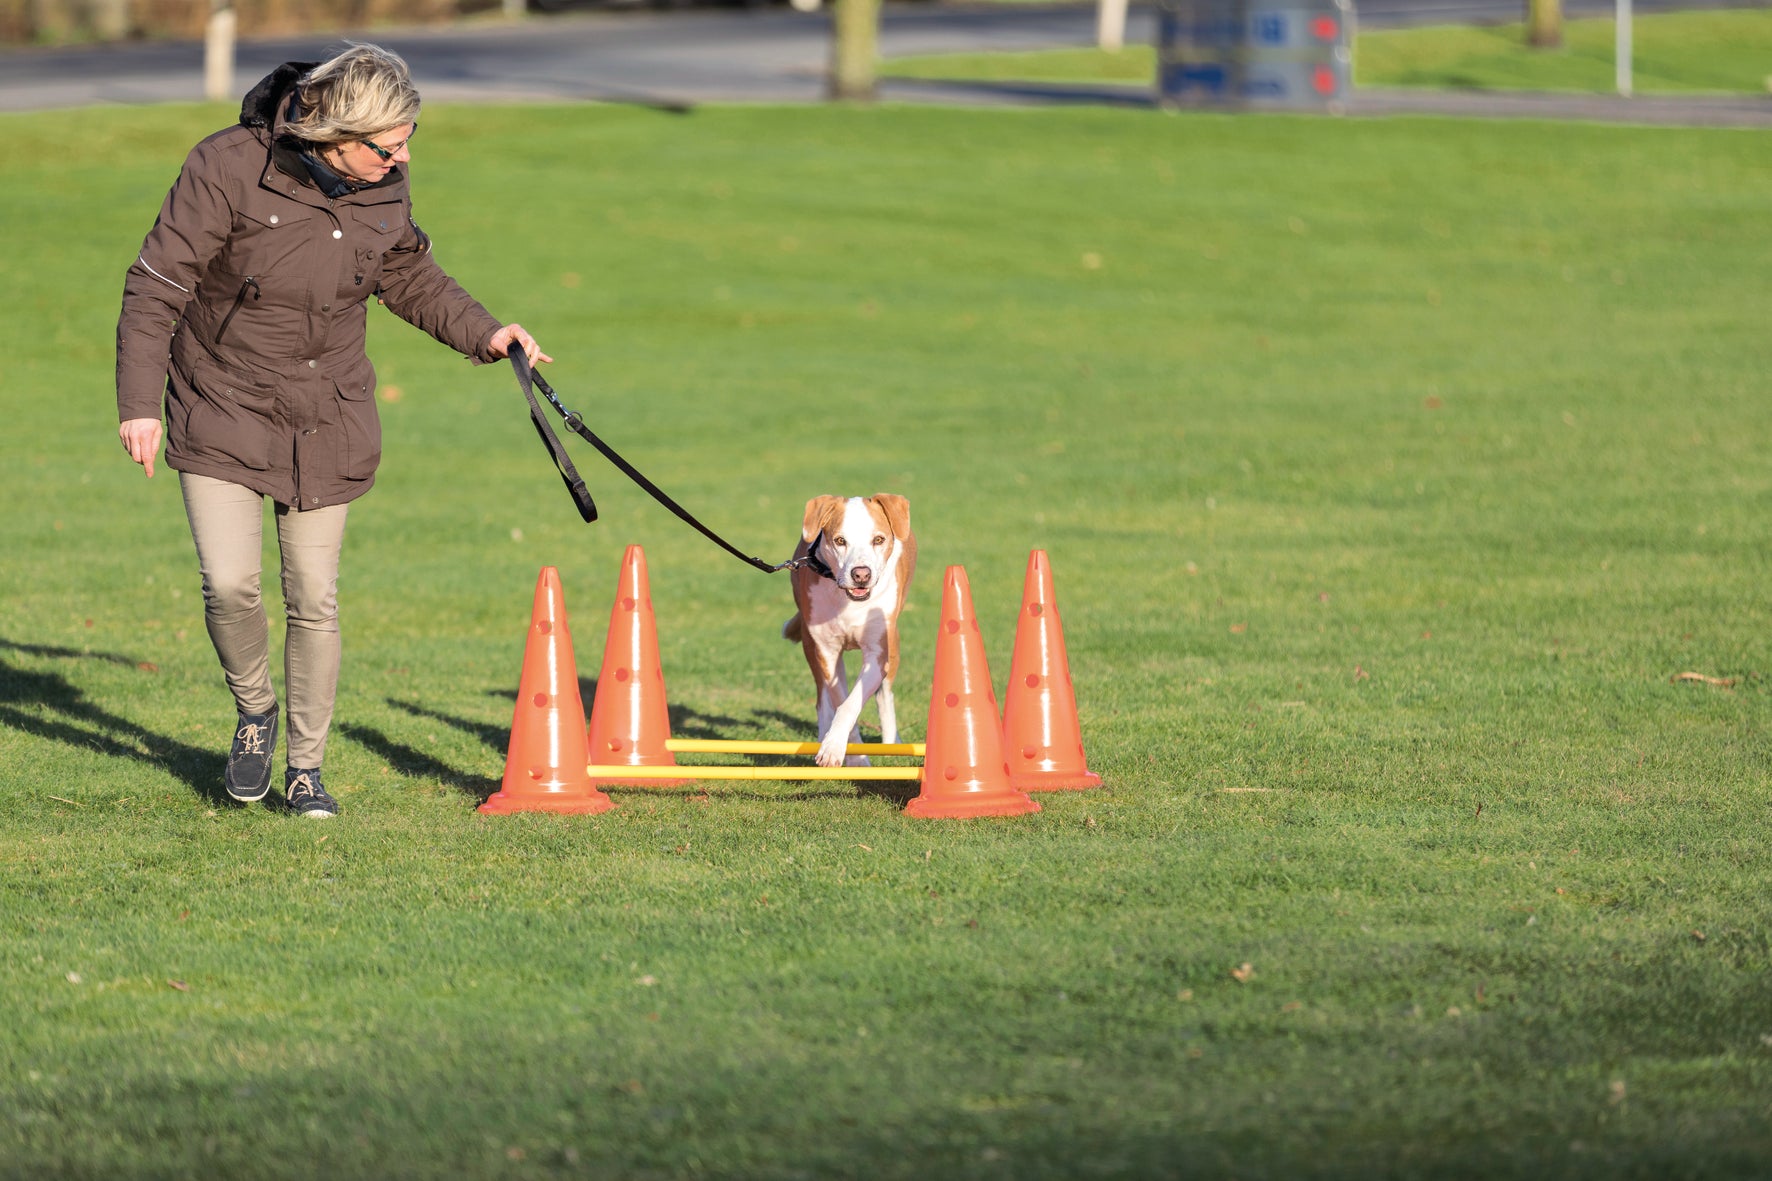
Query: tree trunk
x,y
110,19
1544,24
855,48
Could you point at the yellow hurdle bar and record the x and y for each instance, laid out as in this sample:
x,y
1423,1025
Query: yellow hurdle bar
x,y
692,772
723,746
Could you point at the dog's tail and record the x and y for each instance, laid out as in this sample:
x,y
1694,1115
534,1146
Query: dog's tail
x,y
793,629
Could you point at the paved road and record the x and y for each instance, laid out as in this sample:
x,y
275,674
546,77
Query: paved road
x,y
679,59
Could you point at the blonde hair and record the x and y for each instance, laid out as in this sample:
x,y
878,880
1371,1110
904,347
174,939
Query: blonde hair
x,y
359,93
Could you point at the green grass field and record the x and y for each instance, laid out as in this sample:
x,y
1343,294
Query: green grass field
x,y
1722,52
1391,473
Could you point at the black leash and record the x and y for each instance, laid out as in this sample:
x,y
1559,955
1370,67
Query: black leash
x,y
531,381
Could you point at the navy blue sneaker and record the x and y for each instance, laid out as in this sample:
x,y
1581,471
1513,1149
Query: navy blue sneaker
x,y
248,776
306,796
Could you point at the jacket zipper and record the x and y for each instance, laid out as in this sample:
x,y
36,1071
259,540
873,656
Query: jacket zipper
x,y
257,293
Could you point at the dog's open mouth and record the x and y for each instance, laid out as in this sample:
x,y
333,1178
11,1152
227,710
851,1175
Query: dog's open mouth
x,y
858,594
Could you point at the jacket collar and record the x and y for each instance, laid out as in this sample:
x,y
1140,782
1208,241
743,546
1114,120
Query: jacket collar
x,y
266,108
262,106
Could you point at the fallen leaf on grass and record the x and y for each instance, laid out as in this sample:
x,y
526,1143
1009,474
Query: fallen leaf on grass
x,y
180,985
1243,973
1698,935
1700,678
74,978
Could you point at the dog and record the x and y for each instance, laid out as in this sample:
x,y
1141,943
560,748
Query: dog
x,y
849,597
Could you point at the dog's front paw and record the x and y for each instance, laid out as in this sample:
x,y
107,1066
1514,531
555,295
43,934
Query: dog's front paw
x,y
830,753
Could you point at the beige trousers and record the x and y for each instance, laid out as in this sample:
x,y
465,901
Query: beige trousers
x,y
227,523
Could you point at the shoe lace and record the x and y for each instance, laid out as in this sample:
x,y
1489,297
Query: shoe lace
x,y
252,738
303,785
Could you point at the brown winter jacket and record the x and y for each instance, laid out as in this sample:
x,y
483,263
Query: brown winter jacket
x,y
246,309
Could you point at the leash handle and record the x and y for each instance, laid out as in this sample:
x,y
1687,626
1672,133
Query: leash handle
x,y
575,485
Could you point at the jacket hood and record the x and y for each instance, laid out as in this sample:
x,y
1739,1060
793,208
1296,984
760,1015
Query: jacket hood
x,y
259,108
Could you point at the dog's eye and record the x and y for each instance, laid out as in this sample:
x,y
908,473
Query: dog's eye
x,y
879,540
841,542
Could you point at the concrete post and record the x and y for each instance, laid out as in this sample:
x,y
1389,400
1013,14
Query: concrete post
x,y
218,51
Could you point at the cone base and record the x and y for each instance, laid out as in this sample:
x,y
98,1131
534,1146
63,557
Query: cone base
x,y
966,804
502,803
1055,781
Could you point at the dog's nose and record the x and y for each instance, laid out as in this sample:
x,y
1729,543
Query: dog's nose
x,y
862,575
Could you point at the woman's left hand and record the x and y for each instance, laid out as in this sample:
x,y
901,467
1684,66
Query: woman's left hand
x,y
500,344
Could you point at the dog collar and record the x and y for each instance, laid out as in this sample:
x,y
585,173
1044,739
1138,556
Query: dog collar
x,y
811,561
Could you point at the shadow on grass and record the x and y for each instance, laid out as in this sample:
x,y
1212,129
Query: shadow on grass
x,y
50,706
413,763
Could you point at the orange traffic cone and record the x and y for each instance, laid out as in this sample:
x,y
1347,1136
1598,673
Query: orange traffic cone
x,y
629,719
1040,728
545,764
964,773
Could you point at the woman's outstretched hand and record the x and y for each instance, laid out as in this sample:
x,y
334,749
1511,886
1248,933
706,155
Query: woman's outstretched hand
x,y
500,344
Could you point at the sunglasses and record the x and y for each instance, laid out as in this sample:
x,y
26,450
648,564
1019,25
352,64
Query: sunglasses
x,y
387,154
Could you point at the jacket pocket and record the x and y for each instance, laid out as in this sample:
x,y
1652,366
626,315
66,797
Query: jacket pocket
x,y
229,419
361,453
377,230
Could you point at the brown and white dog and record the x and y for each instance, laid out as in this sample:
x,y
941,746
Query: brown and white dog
x,y
867,554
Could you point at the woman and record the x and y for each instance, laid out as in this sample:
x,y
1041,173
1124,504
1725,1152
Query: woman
x,y
246,311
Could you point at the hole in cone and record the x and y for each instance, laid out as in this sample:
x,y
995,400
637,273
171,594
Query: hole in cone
x,y
627,602
951,700
1034,608
544,627
953,625
615,744
1028,752
1033,680
541,699
950,772
622,674
536,773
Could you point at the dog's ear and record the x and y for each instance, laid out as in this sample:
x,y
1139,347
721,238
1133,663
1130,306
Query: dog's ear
x,y
818,511
898,512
